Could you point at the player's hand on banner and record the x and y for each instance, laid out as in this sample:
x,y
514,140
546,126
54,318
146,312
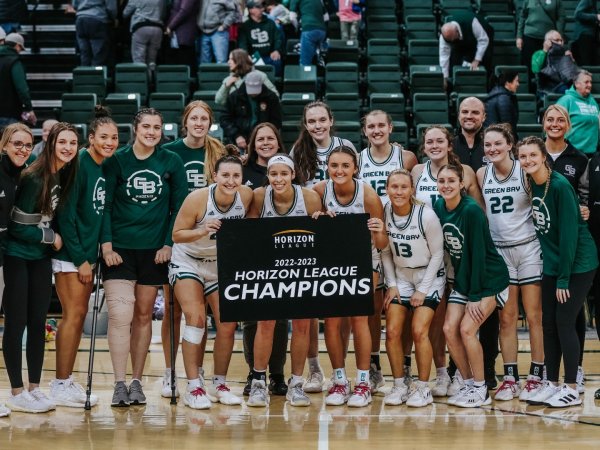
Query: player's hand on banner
x,y
317,214
391,294
375,225
163,255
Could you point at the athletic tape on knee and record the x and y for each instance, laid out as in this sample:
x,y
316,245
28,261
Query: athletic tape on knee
x,y
193,334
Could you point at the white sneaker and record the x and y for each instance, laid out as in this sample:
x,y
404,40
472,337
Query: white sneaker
x,y
580,380
338,394
420,395
165,391
564,397
42,398
508,390
4,411
196,398
259,395
547,391
453,399
314,383
25,402
456,385
220,393
531,388
376,379
296,395
361,396
397,395
70,394
474,398
442,384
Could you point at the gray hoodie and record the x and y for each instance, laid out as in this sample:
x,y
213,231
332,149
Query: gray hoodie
x,y
103,10
214,13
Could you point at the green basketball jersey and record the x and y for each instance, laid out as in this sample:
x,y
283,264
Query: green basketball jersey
x,y
479,271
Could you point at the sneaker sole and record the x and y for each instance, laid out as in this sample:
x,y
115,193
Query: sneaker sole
x,y
257,405
162,394
137,403
69,404
330,403
313,390
362,405
197,408
576,403
17,408
230,403
121,404
484,403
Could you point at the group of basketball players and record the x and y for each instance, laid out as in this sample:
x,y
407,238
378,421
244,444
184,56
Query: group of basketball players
x,y
449,246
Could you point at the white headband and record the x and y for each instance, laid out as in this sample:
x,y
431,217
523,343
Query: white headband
x,y
281,159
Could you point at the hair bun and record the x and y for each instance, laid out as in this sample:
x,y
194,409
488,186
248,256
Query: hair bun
x,y
101,111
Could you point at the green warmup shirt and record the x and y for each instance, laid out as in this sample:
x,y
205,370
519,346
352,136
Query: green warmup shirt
x,y
80,221
567,245
479,271
143,197
29,234
193,161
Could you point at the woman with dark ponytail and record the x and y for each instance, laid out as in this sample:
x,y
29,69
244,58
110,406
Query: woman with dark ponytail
x,y
73,266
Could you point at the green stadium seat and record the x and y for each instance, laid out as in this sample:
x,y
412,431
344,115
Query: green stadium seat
x,y
505,52
342,51
341,77
426,79
529,129
350,130
344,106
123,106
528,110
496,7
383,51
504,26
469,81
125,131
384,78
430,108
419,27
78,108
382,26
90,80
417,7
170,131
393,104
300,79
550,99
423,52
450,7
170,104
131,78
173,78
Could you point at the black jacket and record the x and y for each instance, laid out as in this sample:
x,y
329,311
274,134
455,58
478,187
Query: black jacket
x,y
594,196
237,119
254,175
474,157
9,180
501,106
572,164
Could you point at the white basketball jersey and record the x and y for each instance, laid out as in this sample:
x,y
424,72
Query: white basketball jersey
x,y
406,235
206,246
375,173
426,187
298,207
322,155
508,206
355,206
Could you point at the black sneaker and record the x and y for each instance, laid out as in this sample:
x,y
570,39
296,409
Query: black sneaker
x,y
597,394
248,386
277,384
490,378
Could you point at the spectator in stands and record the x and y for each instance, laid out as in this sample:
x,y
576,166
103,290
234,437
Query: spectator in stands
x,y
583,112
553,65
259,36
312,14
146,28
501,105
182,30
92,27
251,104
214,20
16,101
349,19
535,20
46,127
240,65
276,11
585,35
465,41
12,13
468,146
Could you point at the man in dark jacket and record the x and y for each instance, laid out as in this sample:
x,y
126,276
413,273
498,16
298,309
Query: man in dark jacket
x,y
16,101
501,105
260,34
248,106
468,143
182,29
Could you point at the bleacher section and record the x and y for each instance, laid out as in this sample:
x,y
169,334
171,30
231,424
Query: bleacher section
x,y
392,66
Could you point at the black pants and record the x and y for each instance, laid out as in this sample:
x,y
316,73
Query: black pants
x,y
488,337
530,46
26,301
558,323
280,341
584,50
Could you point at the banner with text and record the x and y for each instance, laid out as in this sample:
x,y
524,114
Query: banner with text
x,y
295,268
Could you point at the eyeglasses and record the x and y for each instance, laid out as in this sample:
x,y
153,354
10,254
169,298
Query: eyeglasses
x,y
20,145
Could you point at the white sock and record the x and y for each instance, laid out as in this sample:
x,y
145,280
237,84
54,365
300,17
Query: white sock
x,y
218,379
362,376
296,379
441,372
313,365
469,382
339,375
398,382
193,384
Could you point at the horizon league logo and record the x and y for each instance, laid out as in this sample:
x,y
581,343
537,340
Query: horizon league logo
x,y
294,239
541,216
453,239
99,196
144,186
194,172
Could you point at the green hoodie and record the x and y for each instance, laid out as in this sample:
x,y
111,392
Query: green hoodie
x,y
583,112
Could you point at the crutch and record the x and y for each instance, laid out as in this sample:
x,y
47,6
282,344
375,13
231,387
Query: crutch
x,y
172,342
88,391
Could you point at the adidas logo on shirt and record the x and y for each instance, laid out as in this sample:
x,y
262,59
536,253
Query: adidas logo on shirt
x,y
249,183
211,213
367,165
489,181
2,194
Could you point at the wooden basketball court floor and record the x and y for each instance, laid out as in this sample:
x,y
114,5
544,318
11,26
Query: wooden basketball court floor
x,y
502,425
